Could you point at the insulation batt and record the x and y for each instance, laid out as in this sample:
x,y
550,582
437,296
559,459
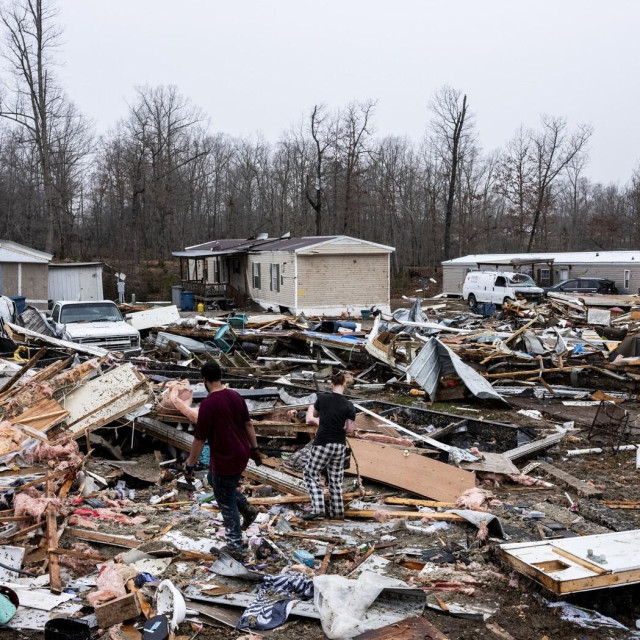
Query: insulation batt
x,y
26,505
11,439
29,394
65,455
110,586
179,395
475,499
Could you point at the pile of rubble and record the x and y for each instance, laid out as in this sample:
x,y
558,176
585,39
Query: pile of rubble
x,y
472,475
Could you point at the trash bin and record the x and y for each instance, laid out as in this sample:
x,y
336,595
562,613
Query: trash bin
x,y
20,303
186,300
176,293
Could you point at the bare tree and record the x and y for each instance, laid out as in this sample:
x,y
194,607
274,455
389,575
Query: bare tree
x,y
552,149
32,38
319,126
452,129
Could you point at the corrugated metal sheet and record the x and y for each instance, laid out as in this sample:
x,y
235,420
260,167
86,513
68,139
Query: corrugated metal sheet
x,y
436,360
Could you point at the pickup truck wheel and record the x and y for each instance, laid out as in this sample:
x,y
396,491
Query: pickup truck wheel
x,y
472,300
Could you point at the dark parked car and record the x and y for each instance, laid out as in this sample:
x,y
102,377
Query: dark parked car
x,y
584,285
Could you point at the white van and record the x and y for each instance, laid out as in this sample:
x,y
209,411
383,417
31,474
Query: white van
x,y
499,287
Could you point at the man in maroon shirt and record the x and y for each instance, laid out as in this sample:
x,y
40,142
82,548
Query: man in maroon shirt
x,y
224,421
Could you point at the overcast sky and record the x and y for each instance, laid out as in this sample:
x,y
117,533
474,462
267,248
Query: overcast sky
x,y
257,66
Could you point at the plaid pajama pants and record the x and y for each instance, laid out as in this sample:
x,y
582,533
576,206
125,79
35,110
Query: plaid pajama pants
x,y
331,457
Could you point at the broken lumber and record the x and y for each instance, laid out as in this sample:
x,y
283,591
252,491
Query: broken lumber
x,y
14,378
535,446
416,628
370,513
104,538
117,611
278,479
581,486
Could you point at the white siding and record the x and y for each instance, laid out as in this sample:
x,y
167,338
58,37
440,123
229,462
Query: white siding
x,y
348,282
286,296
609,271
453,278
76,283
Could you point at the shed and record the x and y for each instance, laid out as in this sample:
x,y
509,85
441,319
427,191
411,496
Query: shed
x,y
623,267
24,272
313,274
75,281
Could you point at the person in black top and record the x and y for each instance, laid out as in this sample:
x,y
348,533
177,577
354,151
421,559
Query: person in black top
x,y
328,449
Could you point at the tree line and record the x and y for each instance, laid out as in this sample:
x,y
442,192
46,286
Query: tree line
x,y
163,178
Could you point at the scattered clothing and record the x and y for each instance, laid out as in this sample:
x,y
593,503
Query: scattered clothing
x,y
275,598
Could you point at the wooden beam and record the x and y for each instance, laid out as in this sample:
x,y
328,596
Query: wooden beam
x,y
419,503
23,370
105,538
370,513
51,533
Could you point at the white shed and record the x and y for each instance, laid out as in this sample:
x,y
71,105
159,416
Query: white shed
x,y
75,281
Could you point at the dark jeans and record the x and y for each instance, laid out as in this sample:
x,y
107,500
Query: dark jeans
x,y
229,499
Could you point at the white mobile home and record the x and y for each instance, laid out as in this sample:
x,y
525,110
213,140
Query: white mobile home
x,y
623,267
315,275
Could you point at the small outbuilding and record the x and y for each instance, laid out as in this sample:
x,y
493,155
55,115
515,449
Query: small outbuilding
x,y
75,281
547,269
24,272
315,274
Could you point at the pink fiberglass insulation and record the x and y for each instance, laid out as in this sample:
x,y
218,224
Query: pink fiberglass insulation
x,y
110,586
179,395
66,455
11,439
26,505
475,499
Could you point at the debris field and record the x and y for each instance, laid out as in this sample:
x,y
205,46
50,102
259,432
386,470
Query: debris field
x,y
491,492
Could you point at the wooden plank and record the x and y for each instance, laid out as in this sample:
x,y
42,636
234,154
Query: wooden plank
x,y
76,554
581,486
118,610
51,534
105,538
299,499
42,415
535,446
14,378
409,471
276,478
326,559
370,513
581,561
412,502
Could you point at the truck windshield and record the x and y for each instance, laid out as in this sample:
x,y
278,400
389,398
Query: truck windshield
x,y
521,280
90,312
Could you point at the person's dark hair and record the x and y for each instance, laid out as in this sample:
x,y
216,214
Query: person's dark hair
x,y
211,372
338,378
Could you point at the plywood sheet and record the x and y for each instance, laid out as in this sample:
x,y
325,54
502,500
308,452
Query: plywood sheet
x,y
410,471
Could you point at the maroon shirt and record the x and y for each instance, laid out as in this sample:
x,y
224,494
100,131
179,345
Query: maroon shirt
x,y
221,421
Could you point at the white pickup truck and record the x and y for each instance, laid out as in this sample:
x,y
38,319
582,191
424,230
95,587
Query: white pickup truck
x,y
97,323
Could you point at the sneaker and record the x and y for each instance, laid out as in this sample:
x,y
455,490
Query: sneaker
x,y
312,516
249,515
